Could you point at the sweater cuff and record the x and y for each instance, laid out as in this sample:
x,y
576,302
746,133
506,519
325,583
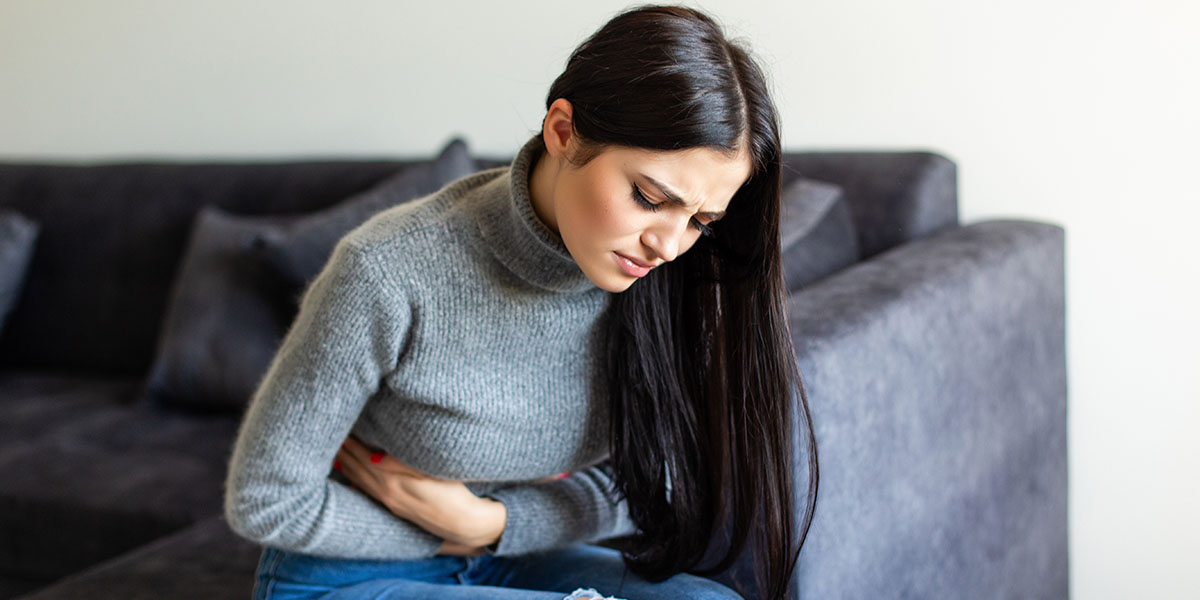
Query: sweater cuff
x,y
553,514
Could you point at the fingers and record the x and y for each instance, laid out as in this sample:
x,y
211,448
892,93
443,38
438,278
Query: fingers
x,y
348,464
359,453
379,460
354,460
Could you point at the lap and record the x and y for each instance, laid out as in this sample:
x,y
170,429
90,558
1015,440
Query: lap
x,y
548,575
562,570
408,589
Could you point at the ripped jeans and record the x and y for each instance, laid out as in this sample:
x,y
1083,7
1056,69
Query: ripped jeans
x,y
576,572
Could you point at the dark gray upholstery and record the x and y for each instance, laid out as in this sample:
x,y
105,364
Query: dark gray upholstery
x,y
937,382
936,375
239,283
226,317
816,232
112,237
203,562
935,368
894,196
18,234
937,379
87,476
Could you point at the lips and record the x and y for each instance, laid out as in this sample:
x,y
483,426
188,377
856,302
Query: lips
x,y
631,266
640,263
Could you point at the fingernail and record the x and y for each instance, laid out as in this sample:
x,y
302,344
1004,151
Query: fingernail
x,y
377,457
337,464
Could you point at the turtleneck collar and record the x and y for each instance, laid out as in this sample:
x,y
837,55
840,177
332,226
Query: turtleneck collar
x,y
521,240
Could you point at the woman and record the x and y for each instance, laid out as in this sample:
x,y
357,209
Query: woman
x,y
608,308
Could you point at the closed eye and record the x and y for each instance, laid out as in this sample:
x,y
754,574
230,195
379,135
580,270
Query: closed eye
x,y
645,203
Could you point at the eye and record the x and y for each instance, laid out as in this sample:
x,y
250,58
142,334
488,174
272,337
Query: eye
x,y
641,200
703,228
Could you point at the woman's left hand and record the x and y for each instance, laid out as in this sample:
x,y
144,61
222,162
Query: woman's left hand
x,y
445,508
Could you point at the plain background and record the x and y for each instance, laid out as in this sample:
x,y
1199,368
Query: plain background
x,y
1081,113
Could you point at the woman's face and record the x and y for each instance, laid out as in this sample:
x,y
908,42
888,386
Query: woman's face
x,y
629,210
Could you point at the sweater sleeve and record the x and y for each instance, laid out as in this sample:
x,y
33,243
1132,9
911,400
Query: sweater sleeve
x,y
581,507
346,337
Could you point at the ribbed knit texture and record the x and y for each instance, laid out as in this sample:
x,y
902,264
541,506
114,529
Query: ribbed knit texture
x,y
457,334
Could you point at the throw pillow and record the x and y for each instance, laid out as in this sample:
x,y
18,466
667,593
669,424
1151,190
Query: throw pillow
x,y
17,237
817,232
225,318
299,251
241,279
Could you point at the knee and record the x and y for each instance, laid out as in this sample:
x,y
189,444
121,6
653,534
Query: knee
x,y
692,587
711,590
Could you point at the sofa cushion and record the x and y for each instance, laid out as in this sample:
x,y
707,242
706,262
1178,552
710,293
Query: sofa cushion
x,y
17,237
206,561
240,282
227,316
817,235
894,197
299,250
87,475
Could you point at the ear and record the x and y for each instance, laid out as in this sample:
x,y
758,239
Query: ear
x,y
556,128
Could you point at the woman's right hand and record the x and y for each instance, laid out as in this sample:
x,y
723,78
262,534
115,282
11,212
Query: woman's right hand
x,y
446,508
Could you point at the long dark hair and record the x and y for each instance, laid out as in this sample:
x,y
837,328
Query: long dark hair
x,y
701,372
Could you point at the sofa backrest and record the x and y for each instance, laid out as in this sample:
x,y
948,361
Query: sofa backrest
x,y
894,196
113,234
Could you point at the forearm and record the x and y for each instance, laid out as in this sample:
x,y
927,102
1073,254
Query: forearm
x,y
345,338
333,521
578,508
278,493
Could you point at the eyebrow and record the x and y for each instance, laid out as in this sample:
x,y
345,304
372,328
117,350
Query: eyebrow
x,y
675,199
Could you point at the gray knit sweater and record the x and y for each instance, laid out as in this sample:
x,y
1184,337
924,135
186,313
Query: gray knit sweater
x,y
457,334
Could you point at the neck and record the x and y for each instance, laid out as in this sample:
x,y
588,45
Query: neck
x,y
519,236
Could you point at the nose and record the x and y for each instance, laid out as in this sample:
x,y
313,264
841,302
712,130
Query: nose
x,y
665,239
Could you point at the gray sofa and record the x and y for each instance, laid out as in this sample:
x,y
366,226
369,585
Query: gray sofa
x,y
934,362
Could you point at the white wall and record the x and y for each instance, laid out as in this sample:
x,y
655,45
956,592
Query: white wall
x,y
1080,113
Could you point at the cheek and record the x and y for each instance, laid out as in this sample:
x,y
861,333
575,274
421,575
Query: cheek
x,y
689,240
602,217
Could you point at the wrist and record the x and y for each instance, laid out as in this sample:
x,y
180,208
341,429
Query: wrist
x,y
491,521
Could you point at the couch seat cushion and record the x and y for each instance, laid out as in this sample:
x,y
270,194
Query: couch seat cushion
x,y
88,476
205,561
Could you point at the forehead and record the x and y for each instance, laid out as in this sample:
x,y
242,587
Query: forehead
x,y
699,175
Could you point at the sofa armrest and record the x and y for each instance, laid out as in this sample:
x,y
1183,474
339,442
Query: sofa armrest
x,y
936,376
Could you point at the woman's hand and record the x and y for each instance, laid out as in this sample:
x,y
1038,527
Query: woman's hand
x,y
445,508
451,549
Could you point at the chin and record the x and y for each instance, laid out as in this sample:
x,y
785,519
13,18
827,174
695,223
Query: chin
x,y
613,286
621,286
615,283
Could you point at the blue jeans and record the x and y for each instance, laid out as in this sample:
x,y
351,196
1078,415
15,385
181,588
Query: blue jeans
x,y
550,575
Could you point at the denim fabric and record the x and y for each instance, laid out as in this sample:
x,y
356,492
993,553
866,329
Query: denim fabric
x,y
550,575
